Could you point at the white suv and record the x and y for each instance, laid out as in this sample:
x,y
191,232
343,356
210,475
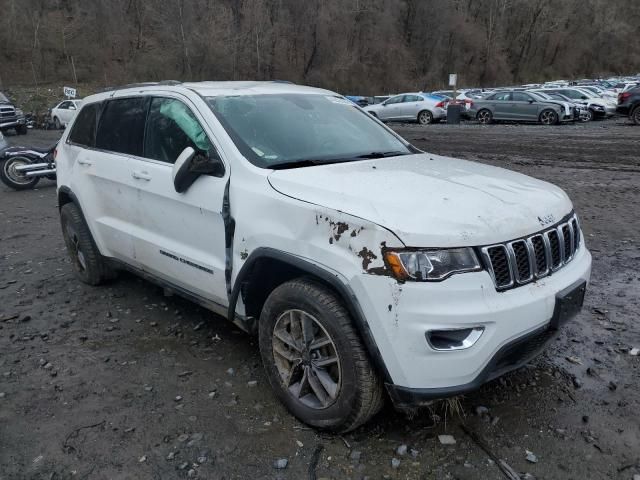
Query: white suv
x,y
364,265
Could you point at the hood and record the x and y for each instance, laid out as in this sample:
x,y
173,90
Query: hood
x,y
429,200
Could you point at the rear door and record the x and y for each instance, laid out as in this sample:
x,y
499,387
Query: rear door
x,y
179,237
101,173
501,105
411,106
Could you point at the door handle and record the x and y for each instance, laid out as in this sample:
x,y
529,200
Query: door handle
x,y
141,175
84,162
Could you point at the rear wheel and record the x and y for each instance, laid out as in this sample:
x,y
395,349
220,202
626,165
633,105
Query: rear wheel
x,y
484,116
314,359
425,117
635,115
548,117
88,264
15,179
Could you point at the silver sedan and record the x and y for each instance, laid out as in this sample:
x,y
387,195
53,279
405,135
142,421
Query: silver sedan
x,y
407,107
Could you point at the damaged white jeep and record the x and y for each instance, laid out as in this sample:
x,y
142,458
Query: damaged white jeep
x,y
367,268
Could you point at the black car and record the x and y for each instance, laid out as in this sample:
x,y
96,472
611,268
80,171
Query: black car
x,y
629,104
11,117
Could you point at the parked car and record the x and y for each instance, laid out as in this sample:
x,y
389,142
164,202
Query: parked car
x,y
417,107
581,110
292,213
11,117
629,104
517,106
570,110
598,107
63,112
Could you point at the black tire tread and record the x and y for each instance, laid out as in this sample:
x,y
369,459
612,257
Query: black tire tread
x,y
370,398
97,271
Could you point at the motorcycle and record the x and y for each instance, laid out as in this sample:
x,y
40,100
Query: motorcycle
x,y
21,168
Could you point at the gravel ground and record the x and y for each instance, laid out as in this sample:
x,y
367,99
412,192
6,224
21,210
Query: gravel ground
x,y
121,382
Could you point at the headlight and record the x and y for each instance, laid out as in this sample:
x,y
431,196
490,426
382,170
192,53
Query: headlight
x,y
431,265
19,112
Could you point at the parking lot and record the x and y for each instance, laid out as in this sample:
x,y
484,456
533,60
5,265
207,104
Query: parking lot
x,y
122,382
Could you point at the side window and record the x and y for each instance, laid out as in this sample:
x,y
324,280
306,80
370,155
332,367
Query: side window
x,y
396,99
121,126
412,98
64,105
501,97
172,127
520,97
84,128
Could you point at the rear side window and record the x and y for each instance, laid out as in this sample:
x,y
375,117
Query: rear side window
x,y
121,126
84,127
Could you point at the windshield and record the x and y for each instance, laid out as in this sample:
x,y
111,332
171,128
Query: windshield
x,y
284,129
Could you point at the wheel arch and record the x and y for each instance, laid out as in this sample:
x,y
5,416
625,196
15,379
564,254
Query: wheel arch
x,y
267,268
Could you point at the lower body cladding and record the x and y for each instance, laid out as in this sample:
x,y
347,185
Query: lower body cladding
x,y
439,339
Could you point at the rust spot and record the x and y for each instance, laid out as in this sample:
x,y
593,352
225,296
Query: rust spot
x,y
379,271
389,307
356,231
244,254
367,257
338,229
330,240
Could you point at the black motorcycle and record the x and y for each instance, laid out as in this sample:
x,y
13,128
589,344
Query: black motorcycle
x,y
21,168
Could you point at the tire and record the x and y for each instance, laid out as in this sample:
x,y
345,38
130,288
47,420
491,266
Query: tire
x,y
14,179
425,117
635,115
22,130
89,266
338,396
548,117
56,123
484,116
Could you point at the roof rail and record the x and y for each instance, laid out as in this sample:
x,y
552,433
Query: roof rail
x,y
142,84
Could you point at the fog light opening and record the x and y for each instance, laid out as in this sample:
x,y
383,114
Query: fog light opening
x,y
453,339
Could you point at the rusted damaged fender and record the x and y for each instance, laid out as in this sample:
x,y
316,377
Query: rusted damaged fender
x,y
329,238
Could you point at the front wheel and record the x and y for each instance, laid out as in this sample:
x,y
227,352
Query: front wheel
x,y
548,117
15,179
56,123
425,117
314,359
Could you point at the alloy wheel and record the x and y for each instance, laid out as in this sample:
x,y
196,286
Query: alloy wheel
x,y
548,118
484,117
307,359
425,118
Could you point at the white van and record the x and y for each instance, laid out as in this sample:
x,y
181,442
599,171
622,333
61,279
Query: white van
x,y
368,269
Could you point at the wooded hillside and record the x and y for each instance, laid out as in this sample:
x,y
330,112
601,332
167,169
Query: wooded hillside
x,y
353,46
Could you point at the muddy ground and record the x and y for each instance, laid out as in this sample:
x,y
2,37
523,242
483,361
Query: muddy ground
x,y
121,382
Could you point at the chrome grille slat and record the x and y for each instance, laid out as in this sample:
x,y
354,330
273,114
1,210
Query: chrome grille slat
x,y
526,259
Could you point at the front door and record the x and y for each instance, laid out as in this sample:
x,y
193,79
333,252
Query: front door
x,y
525,108
179,237
392,109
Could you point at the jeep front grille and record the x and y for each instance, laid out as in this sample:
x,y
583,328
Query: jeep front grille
x,y
524,260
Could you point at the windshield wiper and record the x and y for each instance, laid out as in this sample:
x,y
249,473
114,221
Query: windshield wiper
x,y
395,153
309,162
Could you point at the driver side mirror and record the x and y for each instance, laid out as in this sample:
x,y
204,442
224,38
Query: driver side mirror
x,y
191,164
532,101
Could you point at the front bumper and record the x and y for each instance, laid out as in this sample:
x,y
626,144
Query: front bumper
x,y
400,315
